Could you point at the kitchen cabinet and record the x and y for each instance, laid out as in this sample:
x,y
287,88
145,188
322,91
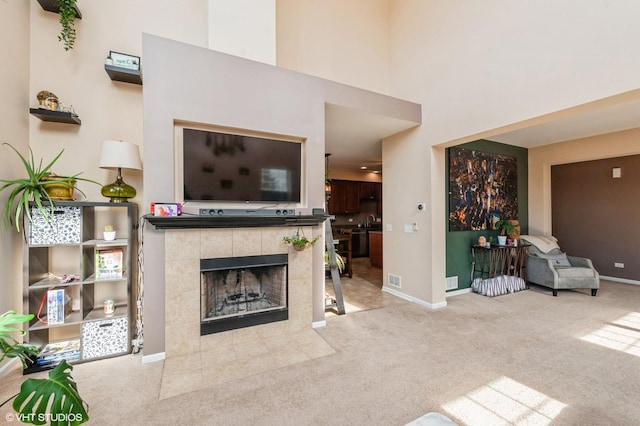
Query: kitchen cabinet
x,y
372,191
345,197
375,248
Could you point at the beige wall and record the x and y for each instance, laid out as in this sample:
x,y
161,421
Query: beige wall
x,y
245,28
340,40
542,158
14,119
475,66
183,80
108,109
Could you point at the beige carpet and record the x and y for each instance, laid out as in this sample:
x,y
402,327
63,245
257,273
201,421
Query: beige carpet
x,y
524,358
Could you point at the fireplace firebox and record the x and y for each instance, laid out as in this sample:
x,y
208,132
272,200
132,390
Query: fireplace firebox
x,y
238,292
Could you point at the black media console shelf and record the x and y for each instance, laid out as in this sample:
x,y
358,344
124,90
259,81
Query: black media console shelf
x,y
186,222
55,116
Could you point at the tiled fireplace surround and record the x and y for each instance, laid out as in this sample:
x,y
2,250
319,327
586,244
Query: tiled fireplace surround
x,y
193,361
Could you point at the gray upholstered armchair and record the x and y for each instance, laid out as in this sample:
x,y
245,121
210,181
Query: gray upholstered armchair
x,y
548,266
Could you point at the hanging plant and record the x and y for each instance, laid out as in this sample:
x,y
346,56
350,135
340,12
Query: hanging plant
x,y
67,21
299,241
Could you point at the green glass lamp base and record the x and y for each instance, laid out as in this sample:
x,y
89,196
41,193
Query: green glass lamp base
x,y
118,192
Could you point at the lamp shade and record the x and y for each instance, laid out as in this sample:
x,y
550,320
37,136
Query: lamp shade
x,y
119,154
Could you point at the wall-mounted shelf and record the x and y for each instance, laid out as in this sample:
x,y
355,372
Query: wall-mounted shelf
x,y
52,6
124,74
55,116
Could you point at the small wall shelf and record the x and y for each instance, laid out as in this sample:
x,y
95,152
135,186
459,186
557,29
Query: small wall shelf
x,y
124,74
52,6
55,116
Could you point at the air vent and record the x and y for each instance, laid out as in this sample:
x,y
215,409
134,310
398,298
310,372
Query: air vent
x,y
394,280
452,283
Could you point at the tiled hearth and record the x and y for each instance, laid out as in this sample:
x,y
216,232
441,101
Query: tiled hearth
x,y
193,361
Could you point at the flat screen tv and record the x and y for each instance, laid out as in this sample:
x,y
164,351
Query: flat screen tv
x,y
237,168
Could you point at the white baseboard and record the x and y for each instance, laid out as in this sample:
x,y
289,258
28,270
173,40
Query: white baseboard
x,y
620,280
148,359
414,299
8,365
319,324
458,292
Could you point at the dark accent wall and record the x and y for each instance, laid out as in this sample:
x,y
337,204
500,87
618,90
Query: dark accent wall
x,y
459,242
597,216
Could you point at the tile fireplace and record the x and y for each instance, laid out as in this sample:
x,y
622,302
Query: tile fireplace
x,y
193,245
239,292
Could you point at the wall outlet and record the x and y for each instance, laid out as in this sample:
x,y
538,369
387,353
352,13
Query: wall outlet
x,y
618,265
389,227
408,228
350,219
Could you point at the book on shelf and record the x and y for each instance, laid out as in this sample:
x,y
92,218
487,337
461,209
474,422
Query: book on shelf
x,y
109,264
57,351
59,304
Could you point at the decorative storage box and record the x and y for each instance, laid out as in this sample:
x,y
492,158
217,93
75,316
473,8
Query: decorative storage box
x,y
105,337
63,228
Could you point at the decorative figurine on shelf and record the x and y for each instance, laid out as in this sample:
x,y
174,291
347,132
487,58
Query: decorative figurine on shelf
x,y
482,241
47,100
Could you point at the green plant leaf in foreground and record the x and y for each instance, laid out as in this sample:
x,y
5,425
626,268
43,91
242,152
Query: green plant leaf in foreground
x,y
10,347
67,408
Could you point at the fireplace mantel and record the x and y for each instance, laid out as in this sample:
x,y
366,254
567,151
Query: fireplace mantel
x,y
193,222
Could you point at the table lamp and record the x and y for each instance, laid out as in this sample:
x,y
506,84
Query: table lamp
x,y
118,155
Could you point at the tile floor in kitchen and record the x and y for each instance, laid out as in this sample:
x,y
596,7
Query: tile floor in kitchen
x,y
361,292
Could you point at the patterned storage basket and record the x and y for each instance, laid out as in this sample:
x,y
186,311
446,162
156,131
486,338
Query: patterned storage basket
x,y
63,228
104,337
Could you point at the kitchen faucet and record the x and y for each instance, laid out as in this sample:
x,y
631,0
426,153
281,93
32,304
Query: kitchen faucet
x,y
370,216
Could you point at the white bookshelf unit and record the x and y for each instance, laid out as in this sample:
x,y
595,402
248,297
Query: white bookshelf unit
x,y
67,246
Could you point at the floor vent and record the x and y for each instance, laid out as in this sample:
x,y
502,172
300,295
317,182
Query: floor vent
x,y
452,283
394,280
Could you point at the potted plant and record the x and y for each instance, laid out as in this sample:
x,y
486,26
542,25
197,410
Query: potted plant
x,y
509,229
39,399
339,261
299,241
67,21
109,234
34,188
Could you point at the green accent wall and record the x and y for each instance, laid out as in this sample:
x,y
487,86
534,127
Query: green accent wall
x,y
459,242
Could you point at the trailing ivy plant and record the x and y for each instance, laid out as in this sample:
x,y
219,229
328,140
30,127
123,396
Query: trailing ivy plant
x,y
67,21
55,398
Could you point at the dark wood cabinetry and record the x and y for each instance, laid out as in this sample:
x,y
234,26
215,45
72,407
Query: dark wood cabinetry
x,y
346,196
372,191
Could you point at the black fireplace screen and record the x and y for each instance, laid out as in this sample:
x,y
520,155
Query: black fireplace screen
x,y
242,291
